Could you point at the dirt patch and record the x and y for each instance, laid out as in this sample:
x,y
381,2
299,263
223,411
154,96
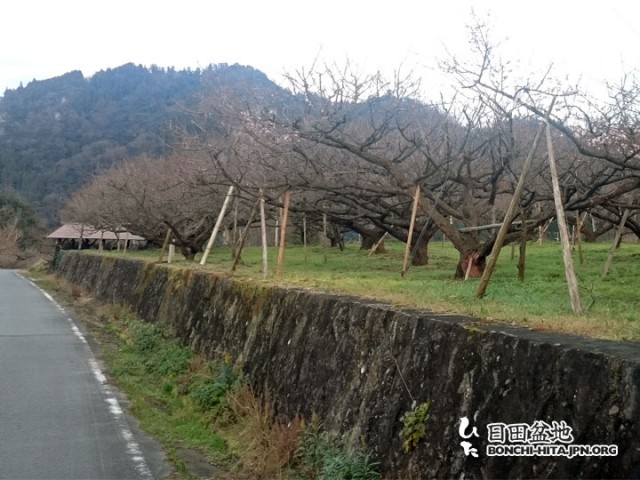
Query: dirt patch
x,y
200,467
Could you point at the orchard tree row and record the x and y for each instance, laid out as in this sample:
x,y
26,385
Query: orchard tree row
x,y
354,150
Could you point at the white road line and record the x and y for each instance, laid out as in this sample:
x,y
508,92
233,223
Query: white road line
x,y
133,448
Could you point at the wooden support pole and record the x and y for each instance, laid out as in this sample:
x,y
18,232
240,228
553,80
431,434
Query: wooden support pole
x,y
522,256
101,244
542,231
469,265
234,231
167,237
572,281
325,240
616,242
580,222
216,228
491,226
304,236
263,228
375,247
243,236
324,228
414,212
283,233
126,241
509,216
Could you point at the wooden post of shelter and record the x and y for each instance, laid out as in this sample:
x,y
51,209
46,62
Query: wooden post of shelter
x,y
101,244
616,242
243,236
81,235
216,228
263,228
510,215
414,212
126,241
572,281
283,233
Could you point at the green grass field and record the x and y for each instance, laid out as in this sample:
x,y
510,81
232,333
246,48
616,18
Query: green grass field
x,y
541,302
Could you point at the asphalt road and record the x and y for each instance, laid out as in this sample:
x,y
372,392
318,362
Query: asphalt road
x,y
59,418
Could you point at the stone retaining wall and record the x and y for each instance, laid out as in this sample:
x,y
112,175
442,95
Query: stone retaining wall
x,y
361,365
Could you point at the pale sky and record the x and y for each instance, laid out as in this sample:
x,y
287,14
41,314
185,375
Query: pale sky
x,y
593,40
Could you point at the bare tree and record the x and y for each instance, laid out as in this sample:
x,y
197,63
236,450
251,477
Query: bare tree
x,y
362,144
598,139
148,196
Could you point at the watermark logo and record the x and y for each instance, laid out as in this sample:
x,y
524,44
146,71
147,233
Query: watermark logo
x,y
466,445
538,439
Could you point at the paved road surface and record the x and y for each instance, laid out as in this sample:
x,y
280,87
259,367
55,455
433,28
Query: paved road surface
x,y
59,419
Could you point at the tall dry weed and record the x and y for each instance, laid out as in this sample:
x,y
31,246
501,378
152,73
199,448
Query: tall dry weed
x,y
268,445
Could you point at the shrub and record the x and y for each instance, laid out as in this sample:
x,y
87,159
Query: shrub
x,y
171,360
354,466
210,393
144,337
320,459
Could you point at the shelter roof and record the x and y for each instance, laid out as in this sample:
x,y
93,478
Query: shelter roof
x,y
77,230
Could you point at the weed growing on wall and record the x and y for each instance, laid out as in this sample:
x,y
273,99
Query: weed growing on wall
x,y
413,426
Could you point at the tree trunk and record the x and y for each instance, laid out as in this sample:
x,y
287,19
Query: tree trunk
x,y
189,253
616,243
335,237
589,235
470,263
421,257
367,242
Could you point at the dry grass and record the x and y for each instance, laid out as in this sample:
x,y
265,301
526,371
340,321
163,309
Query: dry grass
x,y
265,446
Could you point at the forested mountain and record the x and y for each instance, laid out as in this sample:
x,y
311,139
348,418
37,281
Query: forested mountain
x,y
56,134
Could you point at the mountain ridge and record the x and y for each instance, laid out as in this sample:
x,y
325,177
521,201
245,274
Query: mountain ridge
x,y
57,133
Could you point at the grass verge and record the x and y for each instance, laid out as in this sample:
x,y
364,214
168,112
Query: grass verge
x,y
541,302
